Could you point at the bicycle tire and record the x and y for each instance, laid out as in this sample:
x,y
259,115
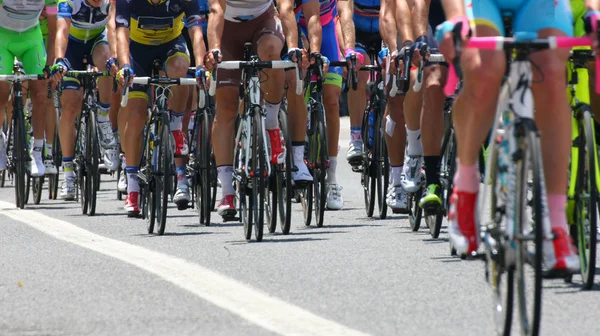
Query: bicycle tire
x,y
499,275
92,155
148,207
383,168
163,177
320,188
587,192
20,157
205,182
414,210
28,187
368,178
36,188
57,158
530,326
258,167
80,150
284,178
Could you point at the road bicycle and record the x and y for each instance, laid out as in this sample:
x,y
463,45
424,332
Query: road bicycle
x,y
252,166
517,225
157,164
584,172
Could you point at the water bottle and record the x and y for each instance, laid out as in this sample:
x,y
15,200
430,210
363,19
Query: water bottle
x,y
371,129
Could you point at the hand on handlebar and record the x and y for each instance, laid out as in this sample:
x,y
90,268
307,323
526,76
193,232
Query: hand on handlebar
x,y
420,50
112,65
444,35
125,75
212,58
313,58
58,69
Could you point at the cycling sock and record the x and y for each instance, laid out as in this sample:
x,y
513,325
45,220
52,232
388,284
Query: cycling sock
x,y
67,163
132,179
331,170
181,178
123,163
225,174
38,144
432,169
415,148
466,178
103,111
556,211
176,120
49,149
298,154
396,174
355,133
272,120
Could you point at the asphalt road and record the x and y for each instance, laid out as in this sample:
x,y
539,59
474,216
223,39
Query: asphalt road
x,y
62,273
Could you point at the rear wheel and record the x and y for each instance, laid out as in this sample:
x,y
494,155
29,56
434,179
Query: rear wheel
x,y
56,157
284,178
414,210
20,158
368,178
162,176
320,188
258,180
92,157
37,184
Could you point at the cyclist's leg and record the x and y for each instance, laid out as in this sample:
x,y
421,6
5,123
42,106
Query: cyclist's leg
x,y
297,121
50,120
177,65
552,118
6,64
34,61
395,138
473,115
268,42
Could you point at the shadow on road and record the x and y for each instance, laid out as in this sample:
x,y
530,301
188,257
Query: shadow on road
x,y
277,240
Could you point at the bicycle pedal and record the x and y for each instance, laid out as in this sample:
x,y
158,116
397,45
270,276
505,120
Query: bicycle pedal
x,y
182,205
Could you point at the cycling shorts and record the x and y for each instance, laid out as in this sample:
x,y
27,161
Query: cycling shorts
x,y
27,46
143,56
366,41
76,52
330,48
236,34
528,15
578,9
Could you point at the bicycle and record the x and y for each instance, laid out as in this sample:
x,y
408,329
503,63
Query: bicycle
x,y
17,145
513,237
251,158
584,171
157,164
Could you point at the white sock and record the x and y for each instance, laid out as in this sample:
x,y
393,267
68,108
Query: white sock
x,y
331,170
225,174
298,154
103,112
415,148
396,174
272,120
176,121
132,183
38,144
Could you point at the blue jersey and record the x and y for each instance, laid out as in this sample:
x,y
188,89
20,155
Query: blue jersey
x,y
366,15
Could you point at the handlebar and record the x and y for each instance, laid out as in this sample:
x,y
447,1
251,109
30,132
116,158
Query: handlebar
x,y
407,56
13,78
155,81
235,65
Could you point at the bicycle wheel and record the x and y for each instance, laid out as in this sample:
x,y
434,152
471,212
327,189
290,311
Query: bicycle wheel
x,y
162,175
20,158
529,236
205,194
368,176
259,171
320,190
57,158
28,187
414,210
92,179
37,184
586,202
499,272
81,164
119,172
284,178
148,205
383,167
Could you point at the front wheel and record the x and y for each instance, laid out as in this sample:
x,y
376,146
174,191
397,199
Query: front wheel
x,y
162,176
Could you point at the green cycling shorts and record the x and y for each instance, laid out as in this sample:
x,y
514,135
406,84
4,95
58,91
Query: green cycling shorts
x,y
27,46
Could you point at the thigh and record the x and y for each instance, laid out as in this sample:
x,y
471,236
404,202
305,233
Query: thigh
x,y
267,23
235,34
536,15
330,49
100,52
485,13
6,60
34,56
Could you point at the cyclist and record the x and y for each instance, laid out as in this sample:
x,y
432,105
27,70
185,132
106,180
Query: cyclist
x,y
50,110
21,37
81,39
396,30
475,106
147,30
232,23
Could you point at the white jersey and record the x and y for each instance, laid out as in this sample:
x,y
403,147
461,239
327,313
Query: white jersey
x,y
22,15
240,10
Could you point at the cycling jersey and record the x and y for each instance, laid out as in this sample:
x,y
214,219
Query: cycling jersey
x,y
22,15
578,9
152,24
328,10
366,15
528,15
87,22
246,10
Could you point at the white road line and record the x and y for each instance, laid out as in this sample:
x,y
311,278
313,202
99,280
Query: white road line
x,y
249,303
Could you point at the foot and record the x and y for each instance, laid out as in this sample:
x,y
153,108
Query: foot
x,y
131,204
226,207
2,151
277,146
561,257
461,227
355,151
38,169
334,197
431,201
411,181
49,165
182,196
397,199
67,192
107,138
302,174
111,158
181,145
122,184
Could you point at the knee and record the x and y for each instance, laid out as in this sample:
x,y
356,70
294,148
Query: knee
x,y
269,48
433,78
39,97
483,74
549,71
331,101
178,67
